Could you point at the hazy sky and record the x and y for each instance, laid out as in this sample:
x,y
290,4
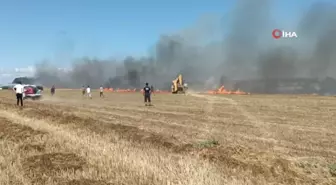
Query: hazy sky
x,y
38,29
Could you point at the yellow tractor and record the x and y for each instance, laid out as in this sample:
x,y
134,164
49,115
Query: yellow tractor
x,y
178,87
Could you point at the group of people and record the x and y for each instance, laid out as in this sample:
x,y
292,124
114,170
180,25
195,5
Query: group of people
x,y
147,92
87,91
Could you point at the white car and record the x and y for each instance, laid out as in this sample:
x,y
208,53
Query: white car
x,y
31,92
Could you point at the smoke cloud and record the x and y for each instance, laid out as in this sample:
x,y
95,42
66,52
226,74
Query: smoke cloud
x,y
213,52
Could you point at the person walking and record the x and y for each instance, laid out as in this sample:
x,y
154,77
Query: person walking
x,y
52,90
88,92
152,89
101,91
83,90
19,90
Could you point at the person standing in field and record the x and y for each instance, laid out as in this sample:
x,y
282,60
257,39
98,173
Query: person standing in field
x,y
88,92
152,89
19,90
101,91
147,95
52,90
83,90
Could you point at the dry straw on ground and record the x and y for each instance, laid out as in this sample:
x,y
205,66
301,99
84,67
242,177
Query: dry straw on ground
x,y
193,139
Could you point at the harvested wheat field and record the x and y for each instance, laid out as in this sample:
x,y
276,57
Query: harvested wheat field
x,y
194,139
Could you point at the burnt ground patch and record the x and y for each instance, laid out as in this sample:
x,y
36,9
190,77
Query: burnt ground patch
x,y
16,132
21,134
40,168
45,167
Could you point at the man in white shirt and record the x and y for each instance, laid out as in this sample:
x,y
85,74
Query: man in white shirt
x,y
19,90
88,91
101,93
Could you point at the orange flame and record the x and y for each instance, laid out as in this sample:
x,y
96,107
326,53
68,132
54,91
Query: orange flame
x,y
222,90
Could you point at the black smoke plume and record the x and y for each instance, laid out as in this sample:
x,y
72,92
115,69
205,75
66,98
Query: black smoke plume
x,y
237,47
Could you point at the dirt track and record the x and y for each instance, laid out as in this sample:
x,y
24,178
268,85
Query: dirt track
x,y
193,139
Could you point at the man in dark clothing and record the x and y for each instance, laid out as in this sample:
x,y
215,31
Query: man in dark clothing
x,y
83,90
147,94
52,90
